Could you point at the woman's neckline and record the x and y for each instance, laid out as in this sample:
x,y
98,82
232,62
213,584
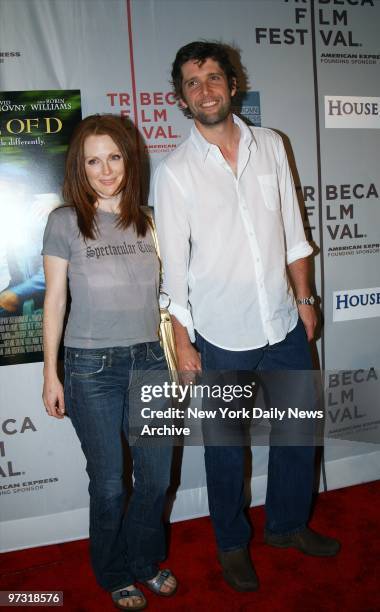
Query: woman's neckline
x,y
106,212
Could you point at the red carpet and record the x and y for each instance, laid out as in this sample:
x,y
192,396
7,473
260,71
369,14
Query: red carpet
x,y
290,581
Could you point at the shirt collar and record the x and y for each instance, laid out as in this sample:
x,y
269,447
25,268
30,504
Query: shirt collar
x,y
204,146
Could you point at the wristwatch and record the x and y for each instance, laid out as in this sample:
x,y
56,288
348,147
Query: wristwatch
x,y
309,301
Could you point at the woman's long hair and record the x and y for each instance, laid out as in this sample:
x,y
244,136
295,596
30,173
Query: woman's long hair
x,y
77,190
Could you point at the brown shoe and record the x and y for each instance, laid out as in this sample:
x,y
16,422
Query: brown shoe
x,y
238,570
307,541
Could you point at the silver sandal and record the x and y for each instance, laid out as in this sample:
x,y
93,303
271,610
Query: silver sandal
x,y
156,583
124,594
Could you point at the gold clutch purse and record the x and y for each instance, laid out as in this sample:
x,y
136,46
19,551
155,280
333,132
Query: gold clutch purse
x,y
165,332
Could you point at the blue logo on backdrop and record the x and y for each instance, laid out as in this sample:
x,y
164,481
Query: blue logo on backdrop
x,y
356,299
356,304
246,104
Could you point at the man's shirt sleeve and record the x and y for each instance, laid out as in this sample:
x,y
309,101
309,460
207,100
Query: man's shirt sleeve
x,y
174,238
297,246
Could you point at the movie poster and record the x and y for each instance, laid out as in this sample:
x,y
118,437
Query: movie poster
x,y
35,128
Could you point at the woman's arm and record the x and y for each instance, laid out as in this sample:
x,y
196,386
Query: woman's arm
x,y
54,312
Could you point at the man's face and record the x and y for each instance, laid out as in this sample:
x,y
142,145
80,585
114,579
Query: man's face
x,y
205,92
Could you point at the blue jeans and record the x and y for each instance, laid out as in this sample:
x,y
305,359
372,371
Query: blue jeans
x,y
102,387
290,467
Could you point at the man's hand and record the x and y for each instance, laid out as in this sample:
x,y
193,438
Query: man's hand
x,y
189,363
189,360
52,396
309,319
9,301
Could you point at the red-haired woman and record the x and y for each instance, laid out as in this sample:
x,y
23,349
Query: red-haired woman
x,y
101,241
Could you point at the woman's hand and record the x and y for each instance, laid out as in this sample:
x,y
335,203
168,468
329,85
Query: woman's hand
x,y
52,396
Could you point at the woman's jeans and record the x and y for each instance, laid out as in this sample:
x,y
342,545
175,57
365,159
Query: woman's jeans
x,y
102,388
290,467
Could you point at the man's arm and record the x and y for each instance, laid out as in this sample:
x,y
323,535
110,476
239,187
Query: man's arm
x,y
297,247
174,237
299,274
189,360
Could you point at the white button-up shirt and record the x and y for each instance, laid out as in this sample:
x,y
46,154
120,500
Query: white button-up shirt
x,y
225,240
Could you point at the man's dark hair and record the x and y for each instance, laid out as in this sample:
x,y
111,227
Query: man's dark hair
x,y
200,51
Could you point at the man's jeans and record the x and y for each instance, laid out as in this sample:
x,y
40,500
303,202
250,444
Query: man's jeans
x,y
290,467
102,387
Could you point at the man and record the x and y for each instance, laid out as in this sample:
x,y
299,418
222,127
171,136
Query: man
x,y
231,235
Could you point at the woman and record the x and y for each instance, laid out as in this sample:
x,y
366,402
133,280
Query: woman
x,y
101,241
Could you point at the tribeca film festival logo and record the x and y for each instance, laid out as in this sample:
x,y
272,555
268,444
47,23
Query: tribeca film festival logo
x,y
352,112
8,470
356,304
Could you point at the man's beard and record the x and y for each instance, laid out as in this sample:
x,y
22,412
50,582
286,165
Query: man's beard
x,y
213,118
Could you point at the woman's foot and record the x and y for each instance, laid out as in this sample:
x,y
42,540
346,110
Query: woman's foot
x,y
129,598
164,583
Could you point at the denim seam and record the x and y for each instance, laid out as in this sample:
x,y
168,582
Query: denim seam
x,y
286,533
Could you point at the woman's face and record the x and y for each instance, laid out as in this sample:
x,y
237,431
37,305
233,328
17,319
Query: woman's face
x,y
104,165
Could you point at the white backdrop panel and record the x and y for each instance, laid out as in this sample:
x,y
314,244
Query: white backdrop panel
x,y
86,45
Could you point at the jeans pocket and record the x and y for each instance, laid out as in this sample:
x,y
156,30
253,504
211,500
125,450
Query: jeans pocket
x,y
83,366
155,352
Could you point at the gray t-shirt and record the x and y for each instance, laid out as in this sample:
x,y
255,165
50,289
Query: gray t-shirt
x,y
114,281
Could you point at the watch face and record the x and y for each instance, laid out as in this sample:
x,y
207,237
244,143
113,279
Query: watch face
x,y
309,301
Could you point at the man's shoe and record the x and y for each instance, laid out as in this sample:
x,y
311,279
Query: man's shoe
x,y
307,541
238,570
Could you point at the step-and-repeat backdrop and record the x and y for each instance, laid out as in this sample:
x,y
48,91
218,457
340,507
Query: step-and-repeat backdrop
x,y
311,71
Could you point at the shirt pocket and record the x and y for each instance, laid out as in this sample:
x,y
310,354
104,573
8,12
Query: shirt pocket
x,y
269,190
